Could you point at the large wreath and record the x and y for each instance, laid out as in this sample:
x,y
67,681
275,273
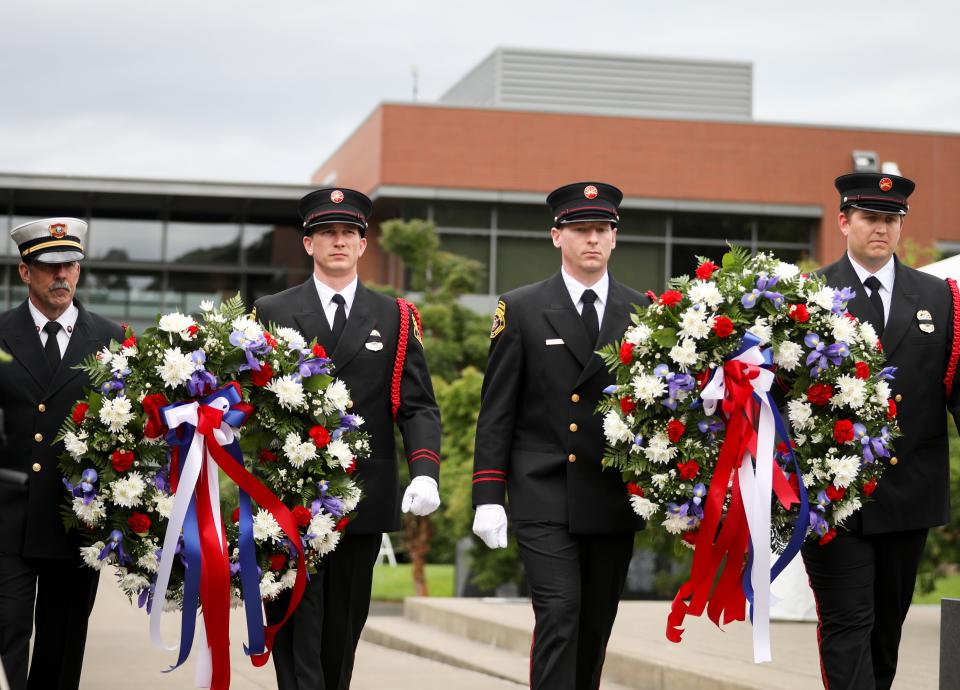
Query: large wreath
x,y
248,404
701,376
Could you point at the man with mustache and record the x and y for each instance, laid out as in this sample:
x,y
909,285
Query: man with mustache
x,y
44,587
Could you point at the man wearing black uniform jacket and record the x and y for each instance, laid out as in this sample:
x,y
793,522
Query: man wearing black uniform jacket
x,y
539,440
44,586
377,350
863,579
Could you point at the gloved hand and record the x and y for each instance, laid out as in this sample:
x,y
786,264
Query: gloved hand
x,y
490,524
422,496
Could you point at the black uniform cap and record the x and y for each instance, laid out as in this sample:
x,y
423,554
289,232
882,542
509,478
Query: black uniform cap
x,y
335,205
872,191
583,201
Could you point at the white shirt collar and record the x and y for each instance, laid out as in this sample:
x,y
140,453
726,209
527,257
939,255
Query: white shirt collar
x,y
67,320
326,292
576,288
885,274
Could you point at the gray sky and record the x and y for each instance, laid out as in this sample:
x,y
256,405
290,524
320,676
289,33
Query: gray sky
x,y
258,91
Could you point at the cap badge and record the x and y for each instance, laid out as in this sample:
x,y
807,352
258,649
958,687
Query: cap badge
x,y
924,315
886,184
336,196
58,230
590,191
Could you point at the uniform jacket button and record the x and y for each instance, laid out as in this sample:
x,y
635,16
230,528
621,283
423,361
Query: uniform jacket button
x,y
36,467
573,426
572,457
575,398
38,437
41,408
893,460
898,397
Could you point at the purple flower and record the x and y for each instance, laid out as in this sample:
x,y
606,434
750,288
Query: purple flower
x,y
887,373
823,355
840,299
822,501
710,425
250,347
115,544
331,504
818,524
872,447
86,489
763,289
313,366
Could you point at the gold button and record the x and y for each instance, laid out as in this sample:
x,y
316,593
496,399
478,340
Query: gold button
x,y
36,467
349,404
41,408
572,457
898,397
575,398
38,437
573,426
894,461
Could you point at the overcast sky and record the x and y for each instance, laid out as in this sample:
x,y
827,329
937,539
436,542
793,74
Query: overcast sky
x,y
257,91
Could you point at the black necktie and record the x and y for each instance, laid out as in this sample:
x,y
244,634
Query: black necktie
x,y
52,348
877,303
340,318
589,316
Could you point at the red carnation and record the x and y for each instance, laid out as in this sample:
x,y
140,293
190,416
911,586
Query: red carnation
x,y
670,297
688,469
79,413
319,352
192,330
634,489
278,561
129,342
675,429
152,404
870,486
342,524
122,460
320,436
690,536
722,326
627,405
843,431
705,270
651,295
863,370
302,516
271,341
820,393
139,523
626,353
891,408
835,494
267,456
799,313
353,466
235,515
261,378
828,537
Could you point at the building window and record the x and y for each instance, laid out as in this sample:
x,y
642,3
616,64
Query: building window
x,y
639,265
124,239
461,214
712,226
203,243
475,247
642,223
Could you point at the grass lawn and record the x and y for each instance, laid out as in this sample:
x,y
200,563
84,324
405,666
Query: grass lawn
x,y
393,584
947,588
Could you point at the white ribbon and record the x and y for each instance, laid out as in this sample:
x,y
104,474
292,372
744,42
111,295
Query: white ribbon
x,y
191,466
756,489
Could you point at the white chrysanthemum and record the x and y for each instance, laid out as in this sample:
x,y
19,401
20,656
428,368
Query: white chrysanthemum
x,y
206,305
127,491
289,578
340,453
823,298
175,323
844,330
800,414
328,543
265,527
638,335
118,362
176,368
269,587
133,583
130,351
91,555
116,413
291,337
785,271
337,396
251,329
851,392
675,523
868,334
762,330
705,292
787,356
693,324
91,513
350,496
74,445
320,526
684,354
648,389
149,562
615,429
643,507
849,507
882,394
660,480
289,392
659,450
844,470
297,451
163,504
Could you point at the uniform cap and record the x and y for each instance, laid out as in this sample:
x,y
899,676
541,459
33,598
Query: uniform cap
x,y
51,240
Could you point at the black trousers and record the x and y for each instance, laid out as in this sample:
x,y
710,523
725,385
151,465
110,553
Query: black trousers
x,y
51,598
315,649
863,586
575,583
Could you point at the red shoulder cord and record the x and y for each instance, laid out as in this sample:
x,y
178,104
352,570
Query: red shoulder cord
x,y
402,337
955,349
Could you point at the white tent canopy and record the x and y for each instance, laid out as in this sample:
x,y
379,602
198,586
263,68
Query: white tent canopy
x,y
947,268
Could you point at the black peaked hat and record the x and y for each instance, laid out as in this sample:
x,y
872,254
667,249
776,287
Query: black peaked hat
x,y
872,191
583,201
335,205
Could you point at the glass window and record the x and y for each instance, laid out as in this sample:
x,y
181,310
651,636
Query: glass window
x,y
797,230
524,217
684,257
7,245
185,291
259,285
638,265
123,296
124,239
711,226
274,245
461,214
647,223
472,247
203,243
789,255
521,261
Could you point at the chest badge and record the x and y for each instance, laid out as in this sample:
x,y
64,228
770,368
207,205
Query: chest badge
x,y
924,315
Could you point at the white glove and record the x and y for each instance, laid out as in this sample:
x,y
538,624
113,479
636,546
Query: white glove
x,y
422,497
490,524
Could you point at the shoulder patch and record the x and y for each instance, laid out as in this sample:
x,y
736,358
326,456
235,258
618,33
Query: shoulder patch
x,y
499,319
416,332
